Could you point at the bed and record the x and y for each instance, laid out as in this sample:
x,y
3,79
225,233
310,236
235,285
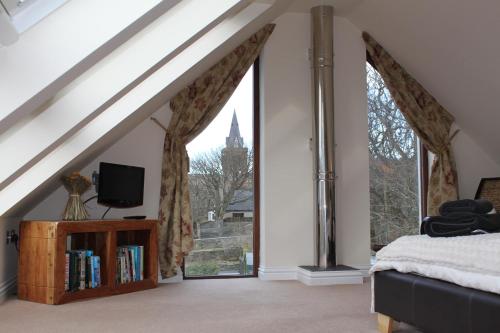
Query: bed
x,y
439,284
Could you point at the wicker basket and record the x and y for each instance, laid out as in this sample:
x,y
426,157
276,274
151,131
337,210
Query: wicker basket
x,y
489,189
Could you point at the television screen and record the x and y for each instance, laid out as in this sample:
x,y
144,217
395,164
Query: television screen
x,y
120,186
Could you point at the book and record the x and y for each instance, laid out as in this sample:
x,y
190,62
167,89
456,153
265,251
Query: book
x,y
131,260
66,272
123,276
137,264
137,256
96,266
84,270
141,262
121,257
121,263
88,268
74,276
129,263
81,258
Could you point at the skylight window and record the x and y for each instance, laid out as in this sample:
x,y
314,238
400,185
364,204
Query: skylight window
x,y
23,14
15,6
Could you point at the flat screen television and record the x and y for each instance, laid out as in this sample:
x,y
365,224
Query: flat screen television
x,y
120,186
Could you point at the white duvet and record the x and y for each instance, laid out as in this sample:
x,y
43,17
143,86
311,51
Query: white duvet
x,y
469,261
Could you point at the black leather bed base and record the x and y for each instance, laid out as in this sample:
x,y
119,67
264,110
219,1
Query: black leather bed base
x,y
435,306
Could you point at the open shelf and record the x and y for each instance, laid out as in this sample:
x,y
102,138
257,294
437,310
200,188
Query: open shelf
x,y
94,241
135,238
42,256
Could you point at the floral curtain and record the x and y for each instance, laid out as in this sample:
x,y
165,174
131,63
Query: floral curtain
x,y
193,109
430,121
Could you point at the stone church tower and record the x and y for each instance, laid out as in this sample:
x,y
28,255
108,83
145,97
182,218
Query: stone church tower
x,y
234,155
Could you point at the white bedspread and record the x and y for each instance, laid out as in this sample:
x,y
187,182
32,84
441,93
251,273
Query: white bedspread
x,y
469,261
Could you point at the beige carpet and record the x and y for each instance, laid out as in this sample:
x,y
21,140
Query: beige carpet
x,y
235,305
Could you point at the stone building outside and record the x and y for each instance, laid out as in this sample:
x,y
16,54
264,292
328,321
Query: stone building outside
x,y
222,199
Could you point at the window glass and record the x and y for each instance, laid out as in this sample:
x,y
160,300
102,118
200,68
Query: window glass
x,y
221,185
394,182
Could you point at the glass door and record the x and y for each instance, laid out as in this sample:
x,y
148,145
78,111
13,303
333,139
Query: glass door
x,y
221,182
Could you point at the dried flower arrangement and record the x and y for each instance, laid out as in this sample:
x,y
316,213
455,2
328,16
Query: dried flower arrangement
x,y
76,185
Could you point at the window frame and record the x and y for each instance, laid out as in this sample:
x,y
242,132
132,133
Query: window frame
x,y
256,187
424,178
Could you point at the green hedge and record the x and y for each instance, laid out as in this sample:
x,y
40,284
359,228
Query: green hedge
x,y
202,268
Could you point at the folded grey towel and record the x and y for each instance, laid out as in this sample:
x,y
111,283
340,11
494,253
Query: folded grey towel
x,y
459,224
479,206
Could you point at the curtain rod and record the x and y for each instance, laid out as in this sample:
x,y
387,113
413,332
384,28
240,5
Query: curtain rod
x,y
158,123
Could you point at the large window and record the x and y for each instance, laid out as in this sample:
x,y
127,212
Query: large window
x,y
394,163
222,189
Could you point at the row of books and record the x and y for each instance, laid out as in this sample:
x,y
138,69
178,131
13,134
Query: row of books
x,y
82,270
129,263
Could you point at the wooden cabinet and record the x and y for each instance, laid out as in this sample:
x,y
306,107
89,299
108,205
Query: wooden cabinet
x,y
43,245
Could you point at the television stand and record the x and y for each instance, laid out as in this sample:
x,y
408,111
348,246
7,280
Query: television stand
x,y
42,257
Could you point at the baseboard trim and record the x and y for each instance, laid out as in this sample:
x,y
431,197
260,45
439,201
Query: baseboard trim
x,y
328,278
293,273
364,269
277,273
7,288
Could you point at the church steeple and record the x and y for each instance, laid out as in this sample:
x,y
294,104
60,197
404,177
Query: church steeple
x,y
234,140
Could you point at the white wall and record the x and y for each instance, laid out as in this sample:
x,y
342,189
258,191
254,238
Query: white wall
x,y
143,146
287,227
472,164
351,136
8,257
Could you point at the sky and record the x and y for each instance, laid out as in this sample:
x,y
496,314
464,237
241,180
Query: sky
x,y
214,136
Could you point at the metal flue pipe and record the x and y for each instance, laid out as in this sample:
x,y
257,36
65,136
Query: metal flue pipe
x,y
323,134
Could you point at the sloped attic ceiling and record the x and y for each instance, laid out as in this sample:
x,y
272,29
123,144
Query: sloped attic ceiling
x,y
149,94
342,7
451,47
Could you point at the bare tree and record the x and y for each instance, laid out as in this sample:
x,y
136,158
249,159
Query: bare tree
x,y
215,176
393,166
